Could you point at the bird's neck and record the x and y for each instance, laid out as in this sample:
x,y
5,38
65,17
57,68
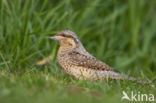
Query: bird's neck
x,y
63,50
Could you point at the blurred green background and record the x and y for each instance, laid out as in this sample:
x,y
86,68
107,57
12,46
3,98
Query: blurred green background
x,y
122,33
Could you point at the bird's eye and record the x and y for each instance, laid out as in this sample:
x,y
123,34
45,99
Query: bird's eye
x,y
64,35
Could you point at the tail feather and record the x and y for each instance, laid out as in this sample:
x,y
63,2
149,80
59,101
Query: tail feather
x,y
123,77
114,75
117,76
136,80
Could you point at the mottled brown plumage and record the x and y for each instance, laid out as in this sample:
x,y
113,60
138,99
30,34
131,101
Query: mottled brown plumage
x,y
88,62
76,61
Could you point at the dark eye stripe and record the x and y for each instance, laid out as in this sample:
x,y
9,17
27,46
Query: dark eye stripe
x,y
64,35
68,36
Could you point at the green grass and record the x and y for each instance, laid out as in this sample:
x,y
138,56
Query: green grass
x,y
120,33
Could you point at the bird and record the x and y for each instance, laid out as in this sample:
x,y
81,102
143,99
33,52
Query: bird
x,y
76,61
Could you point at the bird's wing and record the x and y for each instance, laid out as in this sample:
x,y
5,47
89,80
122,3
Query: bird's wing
x,y
88,61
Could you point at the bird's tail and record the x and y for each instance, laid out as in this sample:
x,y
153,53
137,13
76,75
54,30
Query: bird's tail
x,y
134,79
137,80
114,75
117,76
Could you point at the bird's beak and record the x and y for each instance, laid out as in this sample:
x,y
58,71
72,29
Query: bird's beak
x,y
55,38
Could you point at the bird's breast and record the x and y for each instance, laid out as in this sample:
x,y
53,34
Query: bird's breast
x,y
71,67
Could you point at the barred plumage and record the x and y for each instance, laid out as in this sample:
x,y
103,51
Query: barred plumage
x,y
76,61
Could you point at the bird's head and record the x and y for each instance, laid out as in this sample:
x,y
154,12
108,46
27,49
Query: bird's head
x,y
66,39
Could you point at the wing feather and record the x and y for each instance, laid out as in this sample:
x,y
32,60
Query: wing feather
x,y
88,61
